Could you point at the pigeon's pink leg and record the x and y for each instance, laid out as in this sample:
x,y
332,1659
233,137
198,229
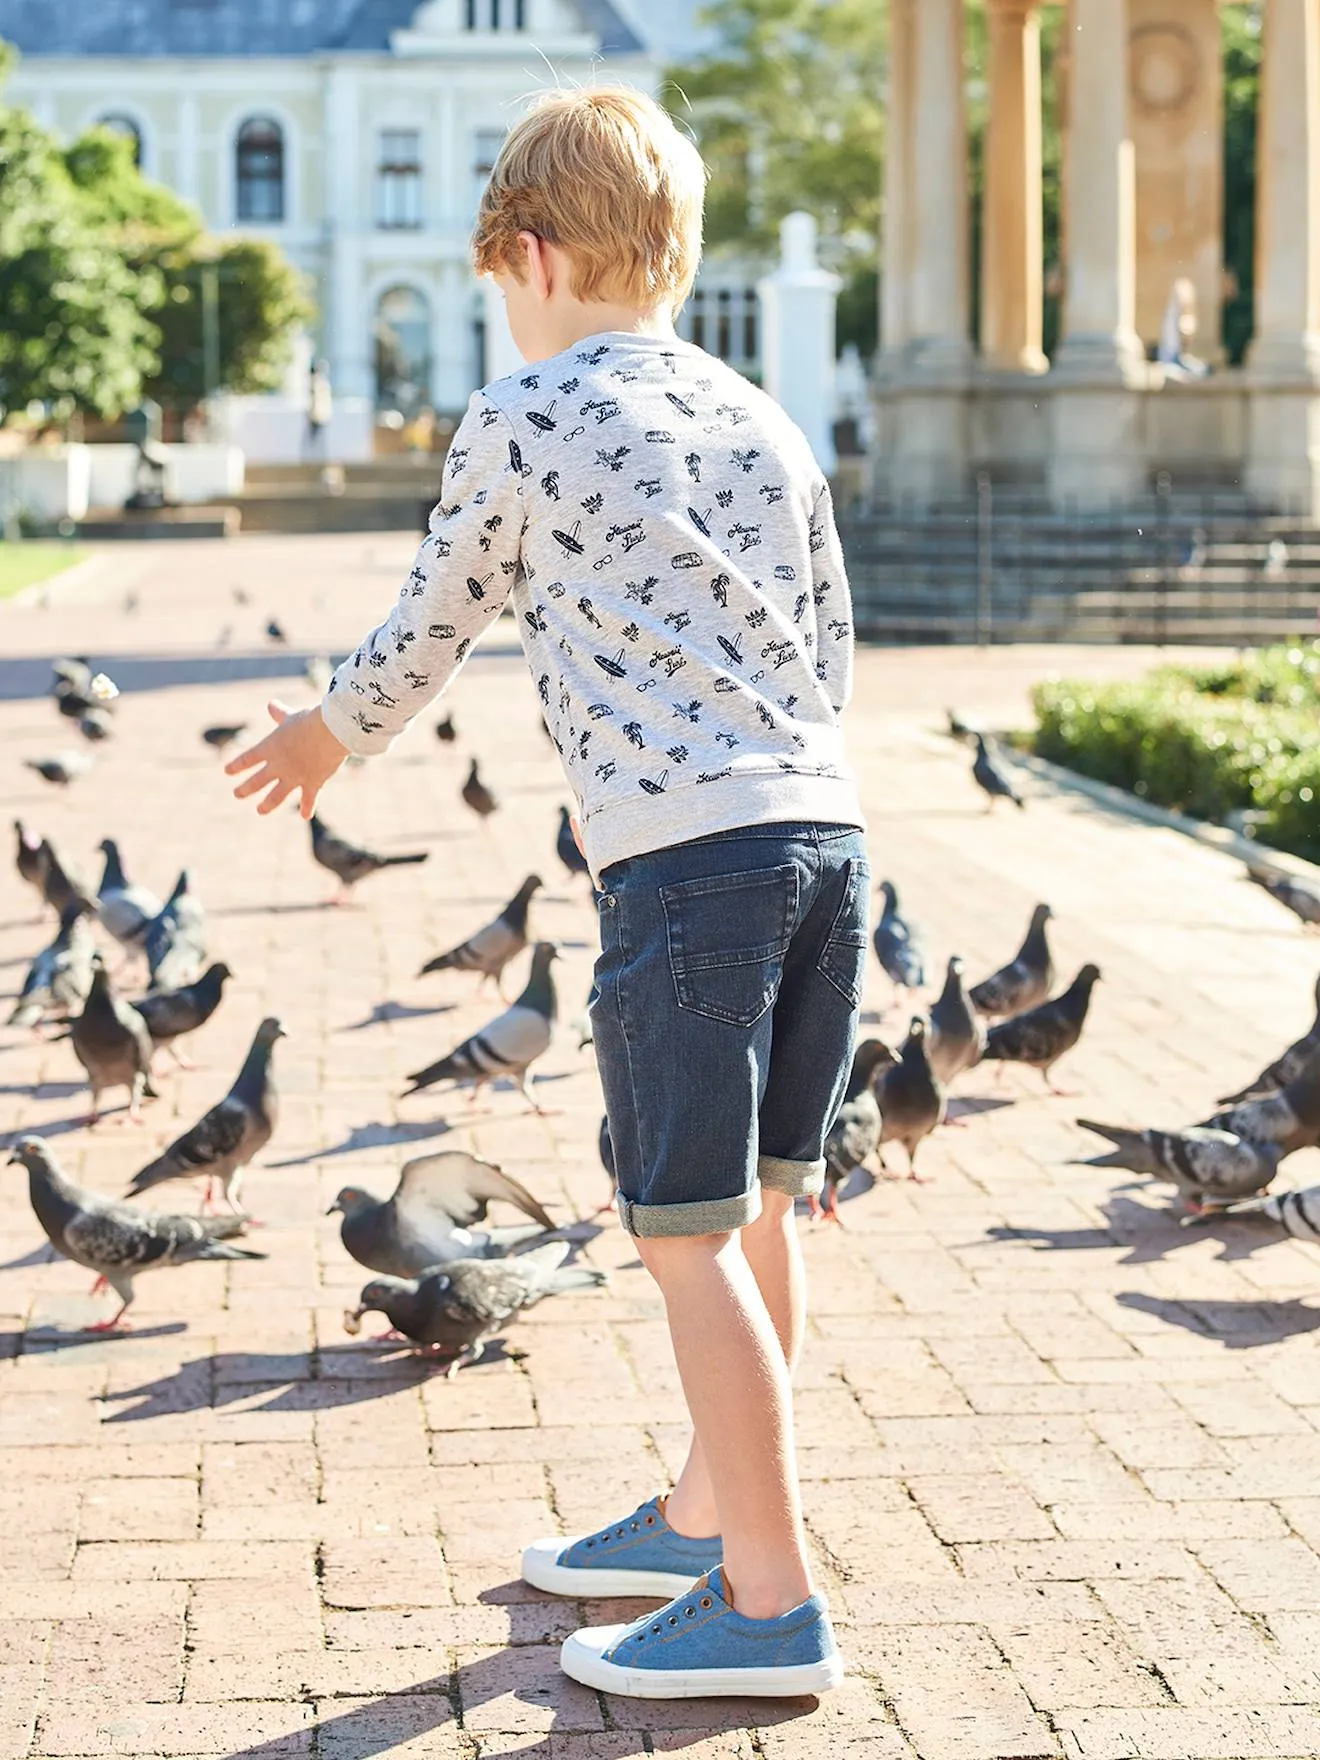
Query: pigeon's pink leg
x,y
116,1323
179,1058
100,1284
391,1336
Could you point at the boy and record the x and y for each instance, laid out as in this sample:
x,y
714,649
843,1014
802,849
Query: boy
x,y
669,546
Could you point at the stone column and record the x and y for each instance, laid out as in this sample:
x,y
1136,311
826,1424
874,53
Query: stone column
x,y
1012,270
1283,444
937,314
798,304
896,242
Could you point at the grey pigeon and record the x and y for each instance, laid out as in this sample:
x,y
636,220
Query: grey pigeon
x,y
566,847
1285,1067
898,944
1299,1212
226,1138
1026,980
1043,1035
1211,1168
126,910
428,1221
910,1097
96,726
855,1133
477,796
61,768
223,734
1290,1117
991,777
111,1042
30,857
170,1014
275,632
1295,895
58,888
350,862
60,977
175,940
114,1239
956,1041
605,1149
78,691
508,1045
454,1311
445,731
492,947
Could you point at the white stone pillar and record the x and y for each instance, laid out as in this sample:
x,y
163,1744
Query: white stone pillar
x,y
1012,269
1100,339
1283,441
895,268
937,311
349,331
186,180
797,336
502,353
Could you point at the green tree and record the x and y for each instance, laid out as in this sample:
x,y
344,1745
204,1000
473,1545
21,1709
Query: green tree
x,y
1242,46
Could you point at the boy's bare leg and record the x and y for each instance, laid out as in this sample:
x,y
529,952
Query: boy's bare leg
x,y
773,1248
741,1406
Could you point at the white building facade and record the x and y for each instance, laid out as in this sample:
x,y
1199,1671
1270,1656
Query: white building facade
x,y
356,134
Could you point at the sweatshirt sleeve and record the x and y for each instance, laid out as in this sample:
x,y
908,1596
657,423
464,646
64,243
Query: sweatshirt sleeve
x,y
834,620
460,582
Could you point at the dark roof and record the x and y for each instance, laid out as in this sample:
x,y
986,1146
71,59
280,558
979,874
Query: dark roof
x,y
239,27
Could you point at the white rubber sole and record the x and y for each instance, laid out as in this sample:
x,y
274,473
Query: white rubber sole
x,y
541,1570
581,1660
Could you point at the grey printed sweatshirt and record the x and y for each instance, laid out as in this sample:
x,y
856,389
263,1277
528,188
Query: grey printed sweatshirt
x,y
669,545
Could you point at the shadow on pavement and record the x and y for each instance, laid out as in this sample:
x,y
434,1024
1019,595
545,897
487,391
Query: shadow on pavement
x,y
395,1011
1238,1325
1149,1234
377,1135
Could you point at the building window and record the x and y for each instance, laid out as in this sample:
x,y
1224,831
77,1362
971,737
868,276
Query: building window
x,y
486,146
118,123
259,170
403,351
496,15
399,179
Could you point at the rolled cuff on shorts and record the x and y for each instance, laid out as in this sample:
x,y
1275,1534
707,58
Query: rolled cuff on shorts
x,y
800,1179
707,1216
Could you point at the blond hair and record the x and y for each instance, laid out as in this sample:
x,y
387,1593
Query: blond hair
x,y
604,174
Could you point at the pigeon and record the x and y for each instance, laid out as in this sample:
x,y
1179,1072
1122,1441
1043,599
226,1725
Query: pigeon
x,y
221,737
175,940
1211,1168
445,731
1290,1117
113,1239
957,1033
318,672
898,944
126,910
60,977
452,1312
170,1014
225,1139
30,857
58,889
241,596
855,1133
958,728
1302,900
78,691
991,777
1043,1035
1026,980
61,768
274,633
111,1042
96,726
566,847
428,1221
477,796
511,1043
1299,1212
605,1149
1285,1067
350,862
910,1097
491,948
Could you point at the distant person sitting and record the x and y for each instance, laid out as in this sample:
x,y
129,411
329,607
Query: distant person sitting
x,y
320,406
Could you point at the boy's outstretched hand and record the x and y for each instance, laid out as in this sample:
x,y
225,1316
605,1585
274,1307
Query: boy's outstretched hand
x,y
300,753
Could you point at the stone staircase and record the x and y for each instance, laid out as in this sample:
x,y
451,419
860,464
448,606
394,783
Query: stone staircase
x,y
1182,569
389,494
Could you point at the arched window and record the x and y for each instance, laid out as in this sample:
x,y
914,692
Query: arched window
x,y
259,170
495,15
118,123
403,350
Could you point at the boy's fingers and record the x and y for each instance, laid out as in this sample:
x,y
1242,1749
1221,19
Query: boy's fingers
x,y
254,784
278,711
276,798
245,760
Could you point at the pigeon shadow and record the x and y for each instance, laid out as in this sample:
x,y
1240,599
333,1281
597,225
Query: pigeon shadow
x,y
395,1011
1237,1325
376,1135
263,1382
45,1090
46,1338
42,1255
408,1713
54,1127
300,907
973,1105
1149,1233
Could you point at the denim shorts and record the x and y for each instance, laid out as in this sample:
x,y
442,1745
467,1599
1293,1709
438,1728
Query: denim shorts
x,y
724,1018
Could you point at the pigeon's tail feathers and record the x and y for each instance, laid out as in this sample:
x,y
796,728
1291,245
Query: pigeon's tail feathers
x,y
211,1248
405,861
446,962
571,1277
1131,1150
450,1068
1299,1212
226,1228
166,1167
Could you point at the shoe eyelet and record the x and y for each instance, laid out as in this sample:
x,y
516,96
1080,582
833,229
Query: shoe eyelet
x,y
590,1544
635,1527
650,1521
655,1628
690,1612
705,1601
618,1533
673,1619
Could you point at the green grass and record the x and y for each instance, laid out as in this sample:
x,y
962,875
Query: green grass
x,y
24,564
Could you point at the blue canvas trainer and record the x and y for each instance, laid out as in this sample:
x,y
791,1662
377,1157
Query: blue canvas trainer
x,y
641,1555
699,1647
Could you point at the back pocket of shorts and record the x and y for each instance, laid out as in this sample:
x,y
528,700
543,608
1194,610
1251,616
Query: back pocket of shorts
x,y
727,939
843,958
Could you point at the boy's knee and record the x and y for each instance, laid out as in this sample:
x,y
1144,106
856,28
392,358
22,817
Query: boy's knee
x,y
665,1252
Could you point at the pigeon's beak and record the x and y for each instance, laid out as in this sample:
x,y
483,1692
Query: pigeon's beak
x,y
336,1209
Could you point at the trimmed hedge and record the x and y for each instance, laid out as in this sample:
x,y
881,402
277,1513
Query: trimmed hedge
x,y
1203,741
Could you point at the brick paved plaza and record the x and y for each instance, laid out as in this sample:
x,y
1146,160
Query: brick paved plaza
x,y
1062,1461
